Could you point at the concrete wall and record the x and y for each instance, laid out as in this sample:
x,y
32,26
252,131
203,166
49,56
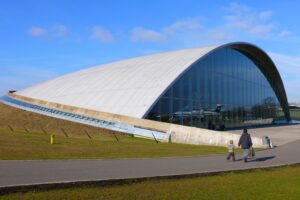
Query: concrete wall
x,y
174,133
192,135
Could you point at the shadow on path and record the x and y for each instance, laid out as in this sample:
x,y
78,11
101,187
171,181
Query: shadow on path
x,y
262,159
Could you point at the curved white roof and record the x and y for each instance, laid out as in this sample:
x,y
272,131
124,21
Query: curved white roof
x,y
127,87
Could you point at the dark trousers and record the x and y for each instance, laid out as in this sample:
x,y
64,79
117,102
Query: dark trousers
x,y
231,154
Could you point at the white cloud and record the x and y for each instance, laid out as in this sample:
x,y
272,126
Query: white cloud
x,y
183,25
248,20
218,35
262,29
101,34
265,15
289,69
142,34
237,9
55,31
287,63
285,33
186,26
60,30
36,32
240,22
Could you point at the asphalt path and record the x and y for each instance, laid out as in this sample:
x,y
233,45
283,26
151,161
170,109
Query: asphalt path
x,y
33,172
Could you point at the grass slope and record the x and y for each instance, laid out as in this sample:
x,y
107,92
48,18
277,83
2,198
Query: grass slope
x,y
35,144
280,183
20,119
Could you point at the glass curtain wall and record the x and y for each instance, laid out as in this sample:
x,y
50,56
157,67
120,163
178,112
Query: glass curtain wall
x,y
225,89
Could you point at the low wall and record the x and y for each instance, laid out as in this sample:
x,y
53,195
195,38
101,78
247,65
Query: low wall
x,y
174,133
192,135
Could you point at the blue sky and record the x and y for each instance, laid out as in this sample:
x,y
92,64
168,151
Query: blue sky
x,y
42,39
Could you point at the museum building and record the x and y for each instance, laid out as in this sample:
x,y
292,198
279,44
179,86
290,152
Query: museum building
x,y
212,87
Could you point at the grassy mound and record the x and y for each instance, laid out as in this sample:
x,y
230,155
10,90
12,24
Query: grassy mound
x,y
21,119
26,135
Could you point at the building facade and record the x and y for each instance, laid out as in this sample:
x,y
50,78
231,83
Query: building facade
x,y
222,90
214,87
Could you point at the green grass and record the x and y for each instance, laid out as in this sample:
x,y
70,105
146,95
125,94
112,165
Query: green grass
x,y
280,183
22,145
18,144
294,114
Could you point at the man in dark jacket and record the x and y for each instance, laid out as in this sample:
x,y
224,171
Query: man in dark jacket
x,y
245,142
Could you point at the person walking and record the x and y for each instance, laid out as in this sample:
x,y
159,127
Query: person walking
x,y
245,142
231,151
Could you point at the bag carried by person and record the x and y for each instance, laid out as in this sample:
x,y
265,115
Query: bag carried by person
x,y
252,152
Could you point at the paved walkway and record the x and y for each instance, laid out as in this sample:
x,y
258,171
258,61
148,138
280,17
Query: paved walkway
x,y
279,134
55,171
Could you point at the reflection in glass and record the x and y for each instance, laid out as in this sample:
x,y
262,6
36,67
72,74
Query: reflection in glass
x,y
222,90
